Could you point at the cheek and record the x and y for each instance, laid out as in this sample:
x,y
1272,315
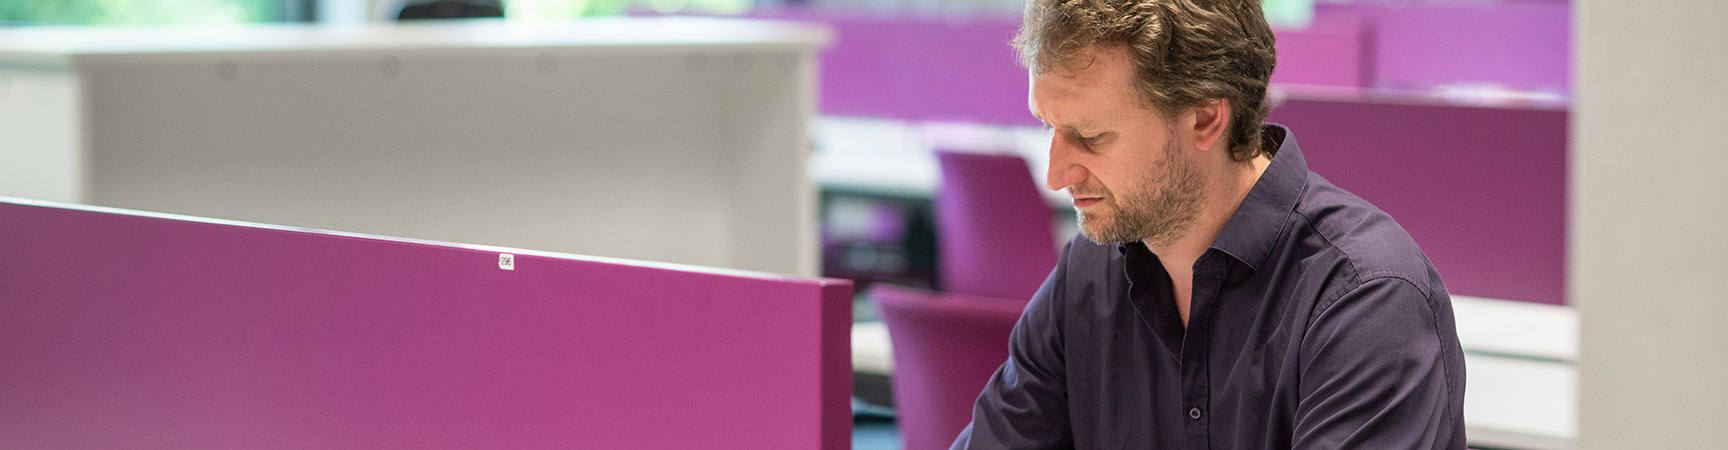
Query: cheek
x,y
1132,182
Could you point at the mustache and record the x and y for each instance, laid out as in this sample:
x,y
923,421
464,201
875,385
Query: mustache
x,y
1088,191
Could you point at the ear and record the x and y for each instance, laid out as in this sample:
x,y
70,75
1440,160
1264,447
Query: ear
x,y
1209,122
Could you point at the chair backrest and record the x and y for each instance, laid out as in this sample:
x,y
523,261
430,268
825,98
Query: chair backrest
x,y
993,230
946,347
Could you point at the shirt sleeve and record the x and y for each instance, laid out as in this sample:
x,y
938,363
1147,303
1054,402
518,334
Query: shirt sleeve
x,y
1025,404
1378,372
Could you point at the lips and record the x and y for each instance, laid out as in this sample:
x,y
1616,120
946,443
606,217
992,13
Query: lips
x,y
1085,196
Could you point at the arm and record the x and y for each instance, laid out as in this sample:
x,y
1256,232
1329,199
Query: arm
x,y
1025,404
1379,373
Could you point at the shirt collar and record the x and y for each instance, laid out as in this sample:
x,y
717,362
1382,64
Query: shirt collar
x,y
1258,222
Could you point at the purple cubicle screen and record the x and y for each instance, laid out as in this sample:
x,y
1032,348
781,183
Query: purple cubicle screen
x,y
1483,190
931,69
1335,50
962,69
123,330
919,68
1524,45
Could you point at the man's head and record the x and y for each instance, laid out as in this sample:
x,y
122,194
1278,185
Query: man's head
x,y
1139,94
1184,52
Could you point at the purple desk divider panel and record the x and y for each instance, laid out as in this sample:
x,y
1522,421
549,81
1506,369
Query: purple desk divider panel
x,y
123,330
1335,50
946,69
931,68
1483,190
1525,45
919,68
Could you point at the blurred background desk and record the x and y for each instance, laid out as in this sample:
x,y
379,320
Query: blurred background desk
x,y
665,139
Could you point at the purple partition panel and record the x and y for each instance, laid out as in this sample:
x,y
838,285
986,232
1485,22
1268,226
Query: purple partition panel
x,y
936,68
1524,45
1335,50
1483,190
123,330
913,68
931,68
925,70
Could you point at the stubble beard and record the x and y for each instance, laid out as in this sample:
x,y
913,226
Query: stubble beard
x,y
1158,210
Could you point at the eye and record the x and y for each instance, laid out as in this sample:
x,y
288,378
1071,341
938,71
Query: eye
x,y
1085,144
1093,142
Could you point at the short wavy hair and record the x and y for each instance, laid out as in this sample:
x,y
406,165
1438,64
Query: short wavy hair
x,y
1185,53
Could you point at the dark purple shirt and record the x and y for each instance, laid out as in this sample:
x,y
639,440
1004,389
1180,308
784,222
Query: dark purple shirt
x,y
1316,323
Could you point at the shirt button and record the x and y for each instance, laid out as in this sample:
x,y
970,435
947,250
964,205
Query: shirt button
x,y
1194,413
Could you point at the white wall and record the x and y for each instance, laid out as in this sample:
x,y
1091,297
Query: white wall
x,y
1649,217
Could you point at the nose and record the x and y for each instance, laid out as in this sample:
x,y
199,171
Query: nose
x,y
1064,171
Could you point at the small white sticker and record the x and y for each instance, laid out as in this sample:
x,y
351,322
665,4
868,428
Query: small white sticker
x,y
506,261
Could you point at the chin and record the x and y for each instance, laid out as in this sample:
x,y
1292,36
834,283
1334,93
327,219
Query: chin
x,y
1095,233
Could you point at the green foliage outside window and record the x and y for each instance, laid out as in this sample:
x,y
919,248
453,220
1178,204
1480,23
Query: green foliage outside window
x,y
138,12
1288,13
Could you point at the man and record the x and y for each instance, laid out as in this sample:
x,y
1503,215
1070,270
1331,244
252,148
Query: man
x,y
1224,297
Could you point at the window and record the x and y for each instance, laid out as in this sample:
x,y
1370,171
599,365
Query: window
x,y
151,12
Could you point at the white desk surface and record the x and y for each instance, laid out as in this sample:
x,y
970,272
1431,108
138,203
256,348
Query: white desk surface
x,y
898,158
59,44
1519,329
1522,385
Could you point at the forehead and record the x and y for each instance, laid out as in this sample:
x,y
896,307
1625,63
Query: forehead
x,y
1100,81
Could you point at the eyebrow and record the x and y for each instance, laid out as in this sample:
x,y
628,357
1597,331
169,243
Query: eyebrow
x,y
1084,124
1075,127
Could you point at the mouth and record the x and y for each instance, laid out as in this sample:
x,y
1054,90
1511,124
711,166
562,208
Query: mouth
x,y
1086,201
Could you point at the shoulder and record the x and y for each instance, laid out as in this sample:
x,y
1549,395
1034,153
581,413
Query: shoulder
x,y
1361,243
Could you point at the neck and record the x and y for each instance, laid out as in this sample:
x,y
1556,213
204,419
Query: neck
x,y
1217,206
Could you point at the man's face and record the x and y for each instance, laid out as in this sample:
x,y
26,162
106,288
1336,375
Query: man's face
x,y
1122,162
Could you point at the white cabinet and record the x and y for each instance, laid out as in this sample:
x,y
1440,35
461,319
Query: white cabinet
x,y
668,139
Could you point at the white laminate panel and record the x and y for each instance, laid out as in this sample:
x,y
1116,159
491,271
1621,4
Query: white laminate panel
x,y
1516,403
41,134
674,140
1517,328
872,352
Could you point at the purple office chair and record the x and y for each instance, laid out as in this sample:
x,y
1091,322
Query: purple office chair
x,y
946,346
993,230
